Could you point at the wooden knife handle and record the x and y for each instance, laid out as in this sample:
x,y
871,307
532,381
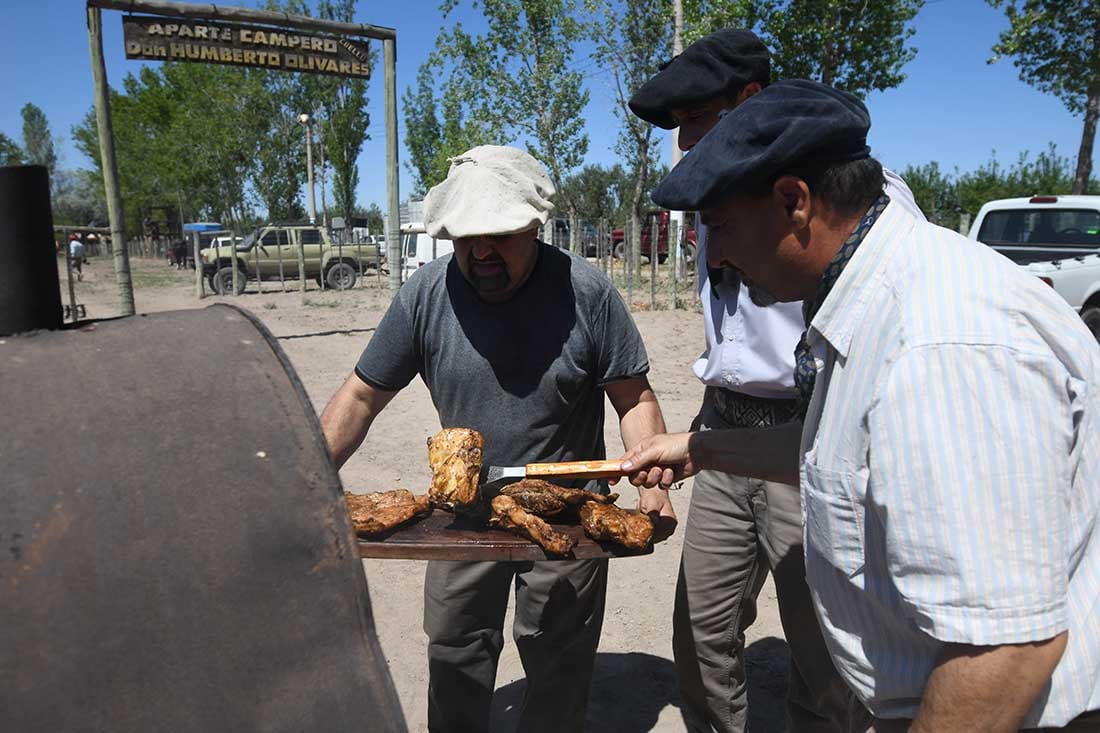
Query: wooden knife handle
x,y
575,469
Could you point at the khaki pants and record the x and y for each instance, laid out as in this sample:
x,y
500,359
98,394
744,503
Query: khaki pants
x,y
559,614
738,529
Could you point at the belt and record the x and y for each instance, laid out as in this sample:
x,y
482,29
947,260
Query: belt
x,y
740,410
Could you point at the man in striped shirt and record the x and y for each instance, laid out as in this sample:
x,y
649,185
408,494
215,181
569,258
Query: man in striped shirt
x,y
949,458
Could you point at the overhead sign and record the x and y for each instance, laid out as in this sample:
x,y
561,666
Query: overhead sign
x,y
177,39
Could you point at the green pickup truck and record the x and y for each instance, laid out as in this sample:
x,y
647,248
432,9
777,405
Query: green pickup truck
x,y
271,252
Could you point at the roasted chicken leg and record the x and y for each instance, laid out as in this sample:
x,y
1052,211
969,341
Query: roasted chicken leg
x,y
546,499
507,514
608,522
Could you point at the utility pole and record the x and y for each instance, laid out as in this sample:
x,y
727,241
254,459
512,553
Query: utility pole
x,y
676,217
677,49
307,122
321,145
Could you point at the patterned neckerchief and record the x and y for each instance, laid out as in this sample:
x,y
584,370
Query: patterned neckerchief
x,y
805,368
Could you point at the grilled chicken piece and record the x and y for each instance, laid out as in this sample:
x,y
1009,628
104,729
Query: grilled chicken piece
x,y
455,459
380,512
507,514
608,522
546,499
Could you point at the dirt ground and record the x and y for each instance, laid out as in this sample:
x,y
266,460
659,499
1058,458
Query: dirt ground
x,y
634,687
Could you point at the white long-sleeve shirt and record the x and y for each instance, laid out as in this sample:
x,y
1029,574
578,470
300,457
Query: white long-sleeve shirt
x,y
750,348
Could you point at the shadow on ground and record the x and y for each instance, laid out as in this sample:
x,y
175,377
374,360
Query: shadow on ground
x,y
629,691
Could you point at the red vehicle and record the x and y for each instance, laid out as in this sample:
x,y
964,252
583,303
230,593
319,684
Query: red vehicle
x,y
661,217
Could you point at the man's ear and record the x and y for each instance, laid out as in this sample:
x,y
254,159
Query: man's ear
x,y
747,91
793,196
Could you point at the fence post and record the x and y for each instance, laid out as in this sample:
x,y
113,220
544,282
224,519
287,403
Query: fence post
x,y
654,258
301,266
200,289
674,232
629,269
256,259
279,249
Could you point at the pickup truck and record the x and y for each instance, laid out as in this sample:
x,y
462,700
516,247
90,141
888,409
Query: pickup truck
x,y
271,252
661,218
1078,281
1057,238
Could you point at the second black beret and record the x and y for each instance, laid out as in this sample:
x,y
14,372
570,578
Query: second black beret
x,y
786,128
720,63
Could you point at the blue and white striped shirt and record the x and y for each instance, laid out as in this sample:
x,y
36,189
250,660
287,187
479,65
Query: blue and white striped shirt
x,y
951,468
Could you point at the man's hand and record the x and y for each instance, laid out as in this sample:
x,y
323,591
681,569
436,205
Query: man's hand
x,y
657,504
661,460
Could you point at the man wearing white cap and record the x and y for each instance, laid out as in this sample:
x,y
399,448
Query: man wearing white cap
x,y
519,341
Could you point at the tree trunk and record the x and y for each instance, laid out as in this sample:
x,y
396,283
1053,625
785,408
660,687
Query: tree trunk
x,y
1088,135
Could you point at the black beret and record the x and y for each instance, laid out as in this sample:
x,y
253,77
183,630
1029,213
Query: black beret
x,y
789,127
720,63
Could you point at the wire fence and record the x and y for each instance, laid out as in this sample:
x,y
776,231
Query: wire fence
x,y
651,263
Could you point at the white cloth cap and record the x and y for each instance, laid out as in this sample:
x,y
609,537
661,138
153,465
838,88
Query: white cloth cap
x,y
490,189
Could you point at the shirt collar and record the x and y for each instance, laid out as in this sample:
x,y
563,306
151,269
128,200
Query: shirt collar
x,y
846,305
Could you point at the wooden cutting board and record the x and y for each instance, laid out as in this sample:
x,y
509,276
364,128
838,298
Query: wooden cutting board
x,y
443,536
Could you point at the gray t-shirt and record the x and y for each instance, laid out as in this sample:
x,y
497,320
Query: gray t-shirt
x,y
528,374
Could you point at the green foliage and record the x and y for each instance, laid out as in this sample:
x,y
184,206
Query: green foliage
x,y
78,199
944,197
422,128
10,152
632,41
432,141
185,133
375,220
517,79
1055,45
345,119
855,46
37,142
599,192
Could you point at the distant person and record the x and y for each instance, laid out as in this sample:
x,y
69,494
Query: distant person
x,y
76,255
179,253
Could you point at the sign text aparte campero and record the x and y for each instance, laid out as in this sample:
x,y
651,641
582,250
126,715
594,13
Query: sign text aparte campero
x,y
165,39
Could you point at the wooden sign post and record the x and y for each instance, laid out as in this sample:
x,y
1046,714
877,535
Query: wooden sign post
x,y
219,34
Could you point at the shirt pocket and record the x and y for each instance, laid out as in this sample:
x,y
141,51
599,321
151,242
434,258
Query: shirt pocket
x,y
833,508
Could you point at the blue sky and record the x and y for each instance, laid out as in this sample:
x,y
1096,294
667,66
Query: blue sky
x,y
953,107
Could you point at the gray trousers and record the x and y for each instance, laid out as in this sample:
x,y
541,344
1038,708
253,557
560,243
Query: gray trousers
x,y
559,614
738,529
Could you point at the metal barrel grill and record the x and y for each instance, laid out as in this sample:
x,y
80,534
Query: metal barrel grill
x,y
176,551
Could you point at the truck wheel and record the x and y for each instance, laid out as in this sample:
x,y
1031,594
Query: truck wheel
x,y
223,281
1091,317
341,276
620,250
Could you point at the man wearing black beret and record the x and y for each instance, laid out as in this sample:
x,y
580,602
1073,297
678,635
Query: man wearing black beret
x,y
740,528
949,453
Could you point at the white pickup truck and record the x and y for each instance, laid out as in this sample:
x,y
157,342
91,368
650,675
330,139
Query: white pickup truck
x,y
1057,238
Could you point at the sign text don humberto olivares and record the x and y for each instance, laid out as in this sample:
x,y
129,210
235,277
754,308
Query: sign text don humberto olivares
x,y
165,39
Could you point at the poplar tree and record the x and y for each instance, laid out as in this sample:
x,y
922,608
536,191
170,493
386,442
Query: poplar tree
x,y
1055,45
